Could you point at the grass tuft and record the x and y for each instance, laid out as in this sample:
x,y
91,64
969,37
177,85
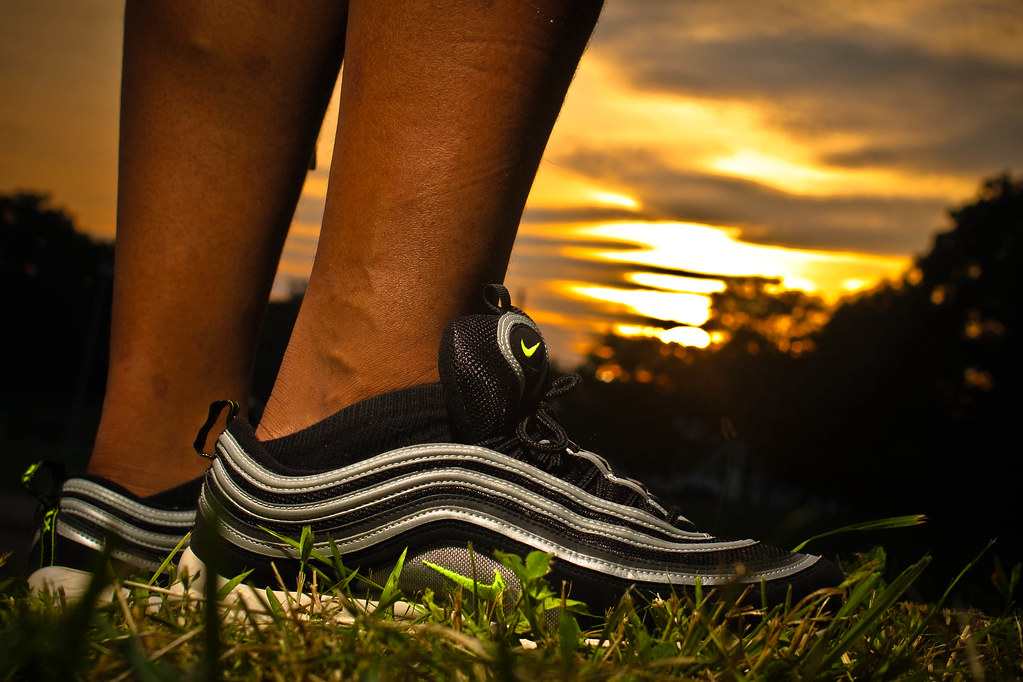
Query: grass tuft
x,y
865,629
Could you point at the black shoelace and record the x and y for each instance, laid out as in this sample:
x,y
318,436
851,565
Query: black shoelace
x,y
541,434
540,431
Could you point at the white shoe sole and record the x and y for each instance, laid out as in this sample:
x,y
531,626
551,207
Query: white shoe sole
x,y
305,604
243,601
56,579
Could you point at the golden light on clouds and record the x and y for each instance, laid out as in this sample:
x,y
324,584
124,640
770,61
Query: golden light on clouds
x,y
732,137
601,277
558,187
695,137
671,306
717,250
626,117
855,284
605,198
693,285
782,173
797,173
683,336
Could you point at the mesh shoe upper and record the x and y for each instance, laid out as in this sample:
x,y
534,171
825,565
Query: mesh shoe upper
x,y
514,482
492,368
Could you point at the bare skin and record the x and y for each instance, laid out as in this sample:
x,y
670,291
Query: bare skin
x,y
446,108
218,121
439,137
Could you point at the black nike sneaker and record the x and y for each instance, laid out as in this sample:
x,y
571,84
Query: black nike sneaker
x,y
82,514
492,469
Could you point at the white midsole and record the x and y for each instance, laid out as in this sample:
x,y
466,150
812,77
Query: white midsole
x,y
56,579
250,603
256,603
244,600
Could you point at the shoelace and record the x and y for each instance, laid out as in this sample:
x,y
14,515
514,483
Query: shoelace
x,y
551,439
542,434
46,488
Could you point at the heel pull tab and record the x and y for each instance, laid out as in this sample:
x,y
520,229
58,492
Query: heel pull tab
x,y
498,299
216,407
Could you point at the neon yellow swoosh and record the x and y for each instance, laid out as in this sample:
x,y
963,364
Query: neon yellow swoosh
x,y
489,592
529,351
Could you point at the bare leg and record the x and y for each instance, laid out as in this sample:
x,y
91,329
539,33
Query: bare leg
x,y
445,111
221,103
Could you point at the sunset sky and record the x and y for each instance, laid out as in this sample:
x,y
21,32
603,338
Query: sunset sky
x,y
820,143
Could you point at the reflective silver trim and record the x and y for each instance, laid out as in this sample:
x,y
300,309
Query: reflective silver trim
x,y
504,327
408,523
605,469
81,538
171,517
422,481
260,477
72,508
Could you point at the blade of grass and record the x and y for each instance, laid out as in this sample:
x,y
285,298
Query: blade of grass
x,y
234,582
274,603
882,603
169,559
879,524
391,592
296,545
74,637
936,608
211,628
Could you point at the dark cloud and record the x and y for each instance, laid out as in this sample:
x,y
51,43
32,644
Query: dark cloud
x,y
529,280
581,214
543,244
817,72
992,145
541,259
877,225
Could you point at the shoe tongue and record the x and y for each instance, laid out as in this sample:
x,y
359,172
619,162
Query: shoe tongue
x,y
492,367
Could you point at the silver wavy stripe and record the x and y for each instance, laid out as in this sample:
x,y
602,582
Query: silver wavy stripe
x,y
368,539
435,456
422,482
170,517
73,508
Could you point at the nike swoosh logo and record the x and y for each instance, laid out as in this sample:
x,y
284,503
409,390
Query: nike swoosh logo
x,y
529,351
489,592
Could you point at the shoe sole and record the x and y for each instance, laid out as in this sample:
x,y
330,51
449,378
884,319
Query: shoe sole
x,y
259,606
247,602
58,579
250,604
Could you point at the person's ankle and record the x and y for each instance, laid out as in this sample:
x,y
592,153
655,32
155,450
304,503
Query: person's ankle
x,y
144,481
289,410
382,423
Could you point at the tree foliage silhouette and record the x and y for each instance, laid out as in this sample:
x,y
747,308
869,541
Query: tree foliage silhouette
x,y
57,297
903,402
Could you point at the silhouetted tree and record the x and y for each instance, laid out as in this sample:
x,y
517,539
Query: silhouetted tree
x,y
56,284
912,392
903,402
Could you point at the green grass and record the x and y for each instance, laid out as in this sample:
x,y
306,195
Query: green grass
x,y
863,630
